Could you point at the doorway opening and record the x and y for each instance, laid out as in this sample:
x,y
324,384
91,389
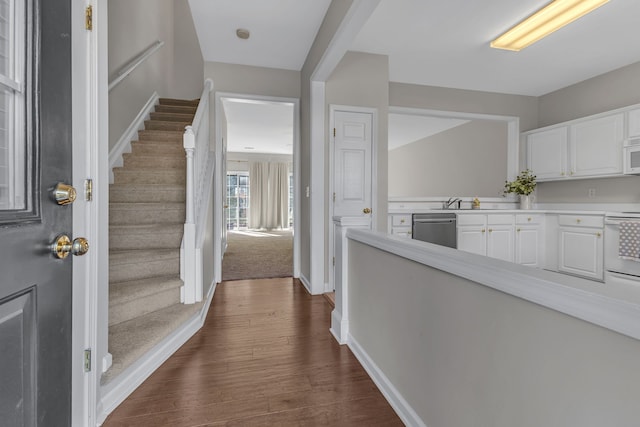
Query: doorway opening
x,y
257,139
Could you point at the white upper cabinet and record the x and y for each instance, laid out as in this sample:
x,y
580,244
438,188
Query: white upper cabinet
x,y
547,153
582,148
633,126
595,146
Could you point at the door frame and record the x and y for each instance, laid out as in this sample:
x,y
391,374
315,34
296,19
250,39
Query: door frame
x,y
220,180
333,108
90,218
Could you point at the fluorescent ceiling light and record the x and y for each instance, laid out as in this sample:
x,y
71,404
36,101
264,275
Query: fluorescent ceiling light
x,y
550,18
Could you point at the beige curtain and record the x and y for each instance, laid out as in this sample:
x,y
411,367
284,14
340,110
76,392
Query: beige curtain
x,y
269,195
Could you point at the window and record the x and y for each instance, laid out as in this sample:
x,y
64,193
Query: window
x,y
13,168
237,200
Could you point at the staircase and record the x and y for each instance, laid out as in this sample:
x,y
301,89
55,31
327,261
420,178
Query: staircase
x,y
146,220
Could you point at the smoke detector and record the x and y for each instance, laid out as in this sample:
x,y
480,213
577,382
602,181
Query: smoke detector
x,y
242,33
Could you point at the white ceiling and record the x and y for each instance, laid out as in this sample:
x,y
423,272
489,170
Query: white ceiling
x,y
446,43
282,31
436,43
259,126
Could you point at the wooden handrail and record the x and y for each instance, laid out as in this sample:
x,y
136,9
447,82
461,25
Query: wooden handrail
x,y
134,63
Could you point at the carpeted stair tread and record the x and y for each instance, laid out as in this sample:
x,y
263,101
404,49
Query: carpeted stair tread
x,y
147,193
150,148
172,117
125,265
146,213
162,125
180,109
185,102
134,289
146,225
122,258
145,236
160,135
130,340
149,176
154,161
131,299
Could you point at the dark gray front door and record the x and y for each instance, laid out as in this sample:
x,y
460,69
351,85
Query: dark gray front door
x,y
35,287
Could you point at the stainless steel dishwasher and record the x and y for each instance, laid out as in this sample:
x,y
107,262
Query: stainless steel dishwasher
x,y
438,228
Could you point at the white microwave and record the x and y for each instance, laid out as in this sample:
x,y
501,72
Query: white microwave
x,y
632,158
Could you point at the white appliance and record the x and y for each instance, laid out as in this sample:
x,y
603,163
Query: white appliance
x,y
618,270
631,159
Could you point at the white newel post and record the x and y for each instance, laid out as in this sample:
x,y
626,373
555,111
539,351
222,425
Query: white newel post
x,y
189,238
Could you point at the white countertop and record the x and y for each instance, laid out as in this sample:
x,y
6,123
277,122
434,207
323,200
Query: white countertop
x,y
504,211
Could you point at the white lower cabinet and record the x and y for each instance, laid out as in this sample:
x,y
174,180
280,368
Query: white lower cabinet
x,y
400,224
472,233
490,235
500,241
529,240
581,247
515,238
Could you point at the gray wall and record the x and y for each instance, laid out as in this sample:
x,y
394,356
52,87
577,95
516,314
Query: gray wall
x,y
248,80
462,354
467,101
188,65
616,89
334,16
361,80
133,27
466,161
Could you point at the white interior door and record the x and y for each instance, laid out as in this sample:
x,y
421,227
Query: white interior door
x,y
353,138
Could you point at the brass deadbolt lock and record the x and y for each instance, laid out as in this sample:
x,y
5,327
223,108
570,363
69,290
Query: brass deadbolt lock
x,y
64,194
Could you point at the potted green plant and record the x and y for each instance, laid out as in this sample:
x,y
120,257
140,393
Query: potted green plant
x,y
523,185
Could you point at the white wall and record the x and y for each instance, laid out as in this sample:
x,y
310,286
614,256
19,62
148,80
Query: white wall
x,y
466,161
239,162
462,354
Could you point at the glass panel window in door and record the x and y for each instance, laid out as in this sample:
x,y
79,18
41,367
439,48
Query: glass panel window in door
x,y
13,167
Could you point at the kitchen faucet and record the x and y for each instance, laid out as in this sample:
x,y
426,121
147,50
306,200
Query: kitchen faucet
x,y
452,201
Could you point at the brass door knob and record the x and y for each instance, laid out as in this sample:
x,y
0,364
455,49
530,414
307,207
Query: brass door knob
x,y
366,210
63,246
64,194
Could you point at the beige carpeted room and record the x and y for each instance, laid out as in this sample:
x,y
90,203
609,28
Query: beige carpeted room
x,y
258,254
259,198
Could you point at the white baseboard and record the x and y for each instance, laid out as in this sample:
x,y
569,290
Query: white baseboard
x,y
339,327
393,396
114,393
124,143
306,283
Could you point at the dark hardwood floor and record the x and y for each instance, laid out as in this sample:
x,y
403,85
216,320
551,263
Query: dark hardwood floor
x,y
265,357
